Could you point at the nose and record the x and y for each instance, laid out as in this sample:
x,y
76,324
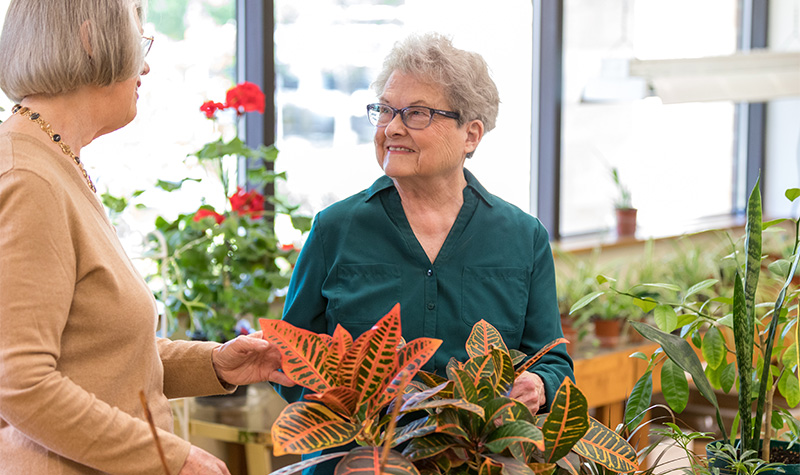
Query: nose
x,y
145,69
395,127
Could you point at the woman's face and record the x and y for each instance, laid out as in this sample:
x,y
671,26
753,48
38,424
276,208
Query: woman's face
x,y
434,152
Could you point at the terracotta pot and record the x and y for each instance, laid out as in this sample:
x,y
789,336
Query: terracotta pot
x,y
608,332
626,222
570,333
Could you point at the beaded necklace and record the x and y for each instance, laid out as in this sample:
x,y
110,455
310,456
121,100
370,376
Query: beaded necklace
x,y
35,117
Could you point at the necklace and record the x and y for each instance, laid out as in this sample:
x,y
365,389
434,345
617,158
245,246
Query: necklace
x,y
35,117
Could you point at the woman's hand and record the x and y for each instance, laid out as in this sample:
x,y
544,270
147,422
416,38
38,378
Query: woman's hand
x,y
200,462
249,359
529,389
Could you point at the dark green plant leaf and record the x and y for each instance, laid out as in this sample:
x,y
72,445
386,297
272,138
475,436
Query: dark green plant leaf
x,y
464,387
789,388
674,386
680,352
728,377
490,467
639,400
744,358
415,428
448,422
714,351
512,466
428,446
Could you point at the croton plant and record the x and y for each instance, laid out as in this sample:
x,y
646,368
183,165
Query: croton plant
x,y
463,424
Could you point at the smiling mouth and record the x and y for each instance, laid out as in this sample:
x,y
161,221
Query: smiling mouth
x,y
399,149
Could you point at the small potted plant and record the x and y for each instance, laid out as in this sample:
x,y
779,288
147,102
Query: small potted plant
x,y
623,205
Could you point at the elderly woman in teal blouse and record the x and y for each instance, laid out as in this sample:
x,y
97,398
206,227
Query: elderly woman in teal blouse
x,y
427,234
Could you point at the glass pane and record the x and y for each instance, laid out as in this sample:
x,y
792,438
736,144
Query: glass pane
x,y
329,52
676,159
193,59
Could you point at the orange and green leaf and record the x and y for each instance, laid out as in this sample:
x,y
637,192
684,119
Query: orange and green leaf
x,y
304,353
607,448
379,362
410,359
567,422
364,460
483,338
540,353
305,427
339,399
340,342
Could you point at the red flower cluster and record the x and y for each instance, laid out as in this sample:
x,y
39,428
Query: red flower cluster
x,y
244,97
205,212
247,203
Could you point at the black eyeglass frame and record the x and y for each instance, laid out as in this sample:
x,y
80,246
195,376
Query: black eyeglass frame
x,y
373,108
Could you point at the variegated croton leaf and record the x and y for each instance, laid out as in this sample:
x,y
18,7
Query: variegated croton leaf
x,y
365,460
304,353
483,338
304,427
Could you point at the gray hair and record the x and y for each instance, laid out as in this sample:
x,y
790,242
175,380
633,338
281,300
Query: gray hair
x,y
464,75
42,52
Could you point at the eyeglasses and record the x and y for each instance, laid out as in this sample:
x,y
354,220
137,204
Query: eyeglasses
x,y
414,117
147,43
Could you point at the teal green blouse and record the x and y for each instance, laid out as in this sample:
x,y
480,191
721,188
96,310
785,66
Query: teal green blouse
x,y
361,258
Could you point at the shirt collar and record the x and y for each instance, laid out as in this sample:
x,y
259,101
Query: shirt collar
x,y
385,182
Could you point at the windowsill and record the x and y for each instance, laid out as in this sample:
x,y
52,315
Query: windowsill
x,y
609,240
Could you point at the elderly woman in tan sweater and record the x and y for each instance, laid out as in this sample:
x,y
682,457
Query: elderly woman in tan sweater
x,y
77,340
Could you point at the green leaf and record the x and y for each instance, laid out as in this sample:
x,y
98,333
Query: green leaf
x,y
483,338
680,352
700,286
584,301
174,185
639,355
639,400
789,357
789,388
792,193
674,386
305,427
714,350
666,318
728,377
646,304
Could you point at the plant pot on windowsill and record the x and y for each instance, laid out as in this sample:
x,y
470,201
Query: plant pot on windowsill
x,y
608,331
626,222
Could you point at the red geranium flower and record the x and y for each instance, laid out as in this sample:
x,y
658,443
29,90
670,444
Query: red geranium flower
x,y
211,108
247,203
205,212
246,97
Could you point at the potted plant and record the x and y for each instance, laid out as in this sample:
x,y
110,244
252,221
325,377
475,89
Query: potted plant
x,y
623,205
467,426
738,324
223,267
574,279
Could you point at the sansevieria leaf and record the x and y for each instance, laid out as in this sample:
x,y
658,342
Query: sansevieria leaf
x,y
305,427
483,338
567,422
304,353
364,460
604,446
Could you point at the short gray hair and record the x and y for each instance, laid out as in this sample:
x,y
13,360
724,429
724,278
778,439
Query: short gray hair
x,y
42,53
464,75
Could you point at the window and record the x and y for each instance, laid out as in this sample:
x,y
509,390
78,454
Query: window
x,y
677,159
328,52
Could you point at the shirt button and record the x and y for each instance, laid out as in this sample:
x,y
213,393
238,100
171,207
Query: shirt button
x,y
430,272
431,306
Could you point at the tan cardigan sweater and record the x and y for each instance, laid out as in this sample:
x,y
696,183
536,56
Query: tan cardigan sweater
x,y
77,332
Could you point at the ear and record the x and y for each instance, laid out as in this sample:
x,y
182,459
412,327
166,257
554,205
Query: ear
x,y
86,37
474,135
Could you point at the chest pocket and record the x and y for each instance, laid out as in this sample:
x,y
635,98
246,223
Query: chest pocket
x,y
498,295
365,293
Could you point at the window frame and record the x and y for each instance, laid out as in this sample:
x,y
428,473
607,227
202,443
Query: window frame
x,y
256,62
